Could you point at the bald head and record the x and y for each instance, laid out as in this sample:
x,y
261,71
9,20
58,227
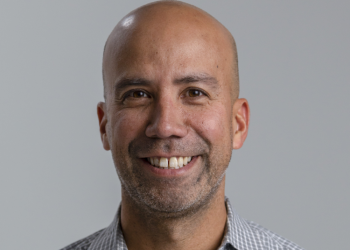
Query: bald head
x,y
158,31
171,88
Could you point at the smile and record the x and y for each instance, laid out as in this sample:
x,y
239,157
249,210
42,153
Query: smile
x,y
169,163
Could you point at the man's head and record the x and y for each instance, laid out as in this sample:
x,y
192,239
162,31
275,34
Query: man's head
x,y
183,14
171,90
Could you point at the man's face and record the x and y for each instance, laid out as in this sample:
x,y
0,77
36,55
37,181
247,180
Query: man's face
x,y
169,95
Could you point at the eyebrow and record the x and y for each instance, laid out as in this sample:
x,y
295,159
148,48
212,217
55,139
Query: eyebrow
x,y
142,82
202,77
130,82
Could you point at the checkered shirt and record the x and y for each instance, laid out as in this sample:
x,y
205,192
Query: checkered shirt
x,y
239,235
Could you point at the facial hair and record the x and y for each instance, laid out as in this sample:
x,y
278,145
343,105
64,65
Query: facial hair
x,y
170,197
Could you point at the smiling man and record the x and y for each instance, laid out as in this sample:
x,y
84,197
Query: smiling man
x,y
171,118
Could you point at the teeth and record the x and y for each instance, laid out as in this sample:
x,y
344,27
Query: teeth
x,y
156,161
180,162
172,163
163,163
185,161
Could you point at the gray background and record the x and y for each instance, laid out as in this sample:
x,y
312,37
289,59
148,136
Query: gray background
x,y
57,184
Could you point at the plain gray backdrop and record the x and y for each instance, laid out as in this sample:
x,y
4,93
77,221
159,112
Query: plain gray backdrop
x,y
57,184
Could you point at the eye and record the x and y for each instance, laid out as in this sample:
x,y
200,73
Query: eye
x,y
139,94
195,93
136,94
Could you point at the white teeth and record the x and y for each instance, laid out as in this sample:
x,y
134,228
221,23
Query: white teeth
x,y
185,161
163,163
156,161
180,162
172,163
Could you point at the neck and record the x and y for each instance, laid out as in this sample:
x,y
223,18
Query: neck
x,y
203,229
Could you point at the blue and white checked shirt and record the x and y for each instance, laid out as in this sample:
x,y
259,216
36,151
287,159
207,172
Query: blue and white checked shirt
x,y
239,235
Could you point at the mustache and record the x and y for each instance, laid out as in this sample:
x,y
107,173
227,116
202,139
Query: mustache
x,y
146,146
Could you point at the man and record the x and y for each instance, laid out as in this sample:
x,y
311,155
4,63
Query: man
x,y
171,118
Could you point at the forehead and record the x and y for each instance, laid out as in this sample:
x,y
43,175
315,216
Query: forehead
x,y
167,56
163,47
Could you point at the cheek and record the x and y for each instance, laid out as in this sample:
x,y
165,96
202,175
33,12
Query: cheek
x,y
125,126
214,125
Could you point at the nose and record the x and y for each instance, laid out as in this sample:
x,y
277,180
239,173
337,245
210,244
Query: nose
x,y
167,120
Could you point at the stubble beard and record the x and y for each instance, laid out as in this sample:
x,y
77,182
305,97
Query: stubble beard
x,y
170,198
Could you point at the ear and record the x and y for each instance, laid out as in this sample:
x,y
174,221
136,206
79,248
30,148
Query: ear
x,y
102,120
240,122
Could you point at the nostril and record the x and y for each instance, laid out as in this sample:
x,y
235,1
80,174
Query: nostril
x,y
166,120
166,129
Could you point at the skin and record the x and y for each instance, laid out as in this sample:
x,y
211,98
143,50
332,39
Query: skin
x,y
171,89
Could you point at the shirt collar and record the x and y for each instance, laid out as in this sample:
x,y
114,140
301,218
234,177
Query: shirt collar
x,y
112,237
237,233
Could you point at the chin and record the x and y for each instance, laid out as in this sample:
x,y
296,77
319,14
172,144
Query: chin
x,y
172,203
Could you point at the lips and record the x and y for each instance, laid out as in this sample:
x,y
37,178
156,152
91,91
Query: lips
x,y
169,163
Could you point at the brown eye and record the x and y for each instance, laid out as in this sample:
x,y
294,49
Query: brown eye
x,y
194,93
139,94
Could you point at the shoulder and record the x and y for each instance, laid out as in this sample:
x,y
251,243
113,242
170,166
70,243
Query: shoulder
x,y
272,240
244,234
84,243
